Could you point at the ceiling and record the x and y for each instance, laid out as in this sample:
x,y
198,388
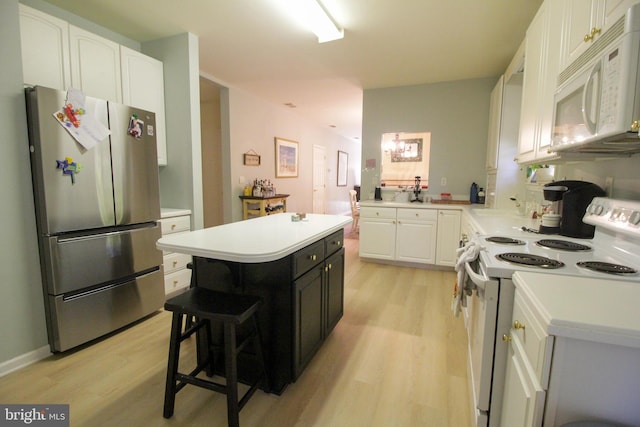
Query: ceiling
x,y
254,46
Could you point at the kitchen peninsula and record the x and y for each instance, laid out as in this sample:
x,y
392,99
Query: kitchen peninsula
x,y
297,267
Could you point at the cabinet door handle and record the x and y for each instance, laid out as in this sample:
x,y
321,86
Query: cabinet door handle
x,y
506,338
326,268
175,263
338,243
518,325
313,257
594,32
173,226
329,266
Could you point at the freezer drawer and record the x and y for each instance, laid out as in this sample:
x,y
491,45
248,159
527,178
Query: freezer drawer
x,y
84,317
72,264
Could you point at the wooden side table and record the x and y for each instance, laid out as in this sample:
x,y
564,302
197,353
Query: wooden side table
x,y
253,207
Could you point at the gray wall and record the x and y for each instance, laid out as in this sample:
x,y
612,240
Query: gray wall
x,y
22,324
181,179
457,115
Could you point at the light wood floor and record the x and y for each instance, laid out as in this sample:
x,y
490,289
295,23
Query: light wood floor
x,y
397,358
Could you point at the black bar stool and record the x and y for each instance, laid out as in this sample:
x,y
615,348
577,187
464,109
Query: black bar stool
x,y
209,306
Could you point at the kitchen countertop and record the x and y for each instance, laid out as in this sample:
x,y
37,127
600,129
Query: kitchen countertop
x,y
584,308
485,220
498,221
256,240
414,205
173,212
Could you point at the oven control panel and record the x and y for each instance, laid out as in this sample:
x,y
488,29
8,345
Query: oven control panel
x,y
614,214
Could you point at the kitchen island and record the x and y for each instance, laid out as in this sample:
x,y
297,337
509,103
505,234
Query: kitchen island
x,y
297,268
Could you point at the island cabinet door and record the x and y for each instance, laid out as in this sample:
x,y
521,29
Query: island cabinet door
x,y
308,322
334,289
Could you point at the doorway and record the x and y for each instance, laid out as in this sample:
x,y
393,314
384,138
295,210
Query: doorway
x,y
211,146
319,187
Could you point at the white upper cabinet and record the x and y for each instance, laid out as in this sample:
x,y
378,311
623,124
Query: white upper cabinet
x,y
58,55
584,22
95,65
613,10
44,40
542,55
582,25
143,87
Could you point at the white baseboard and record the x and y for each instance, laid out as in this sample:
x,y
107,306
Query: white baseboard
x,y
24,360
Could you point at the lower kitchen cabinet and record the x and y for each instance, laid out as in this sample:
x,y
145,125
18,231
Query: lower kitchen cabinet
x,y
448,237
334,287
579,371
303,300
523,403
177,277
308,316
319,299
377,232
415,235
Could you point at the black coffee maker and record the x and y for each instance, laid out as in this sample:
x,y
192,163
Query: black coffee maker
x,y
571,199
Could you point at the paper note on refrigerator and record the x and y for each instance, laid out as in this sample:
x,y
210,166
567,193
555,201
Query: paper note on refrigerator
x,y
83,127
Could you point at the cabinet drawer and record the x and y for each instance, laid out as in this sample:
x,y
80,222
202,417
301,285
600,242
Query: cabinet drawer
x,y
333,242
375,212
175,261
536,342
180,279
175,224
417,214
306,258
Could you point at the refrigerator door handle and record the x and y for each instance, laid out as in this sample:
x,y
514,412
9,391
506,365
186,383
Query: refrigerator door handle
x,y
110,286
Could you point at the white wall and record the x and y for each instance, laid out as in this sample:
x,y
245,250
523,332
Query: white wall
x,y
625,172
254,123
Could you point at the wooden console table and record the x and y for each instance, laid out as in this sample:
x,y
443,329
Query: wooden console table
x,y
253,207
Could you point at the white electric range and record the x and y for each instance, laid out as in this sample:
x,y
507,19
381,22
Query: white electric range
x,y
612,254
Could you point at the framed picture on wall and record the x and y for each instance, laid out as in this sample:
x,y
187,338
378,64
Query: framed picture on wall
x,y
343,162
286,158
251,159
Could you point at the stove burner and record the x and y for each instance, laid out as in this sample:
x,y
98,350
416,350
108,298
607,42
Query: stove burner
x,y
504,240
563,245
530,260
606,267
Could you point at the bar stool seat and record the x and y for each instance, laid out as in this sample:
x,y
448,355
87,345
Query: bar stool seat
x,y
209,306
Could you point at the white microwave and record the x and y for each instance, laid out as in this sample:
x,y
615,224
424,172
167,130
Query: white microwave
x,y
597,103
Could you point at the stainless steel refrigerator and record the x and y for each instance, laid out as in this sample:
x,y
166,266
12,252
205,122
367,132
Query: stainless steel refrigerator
x,y
96,218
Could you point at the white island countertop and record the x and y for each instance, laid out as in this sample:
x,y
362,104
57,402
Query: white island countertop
x,y
262,239
584,308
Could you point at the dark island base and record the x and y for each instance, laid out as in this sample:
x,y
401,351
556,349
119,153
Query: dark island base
x,y
303,297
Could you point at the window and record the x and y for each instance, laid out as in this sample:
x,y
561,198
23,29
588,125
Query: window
x,y
405,156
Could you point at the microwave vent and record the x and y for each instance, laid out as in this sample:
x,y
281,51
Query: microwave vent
x,y
598,46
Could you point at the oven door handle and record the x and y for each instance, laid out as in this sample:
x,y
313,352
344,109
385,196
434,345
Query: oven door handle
x,y
480,281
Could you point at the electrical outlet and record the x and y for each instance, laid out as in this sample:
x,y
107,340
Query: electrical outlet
x,y
608,186
443,181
